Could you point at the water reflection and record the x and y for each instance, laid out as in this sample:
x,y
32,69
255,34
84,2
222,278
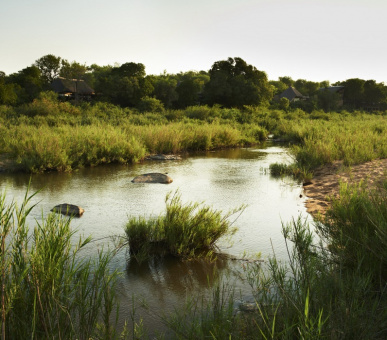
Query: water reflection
x,y
169,274
224,179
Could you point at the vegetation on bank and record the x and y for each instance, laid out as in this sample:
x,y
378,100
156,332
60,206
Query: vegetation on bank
x,y
187,231
229,83
51,135
63,137
331,288
47,288
334,288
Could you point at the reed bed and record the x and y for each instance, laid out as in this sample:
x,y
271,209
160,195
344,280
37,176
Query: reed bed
x,y
187,231
67,147
48,290
334,288
354,139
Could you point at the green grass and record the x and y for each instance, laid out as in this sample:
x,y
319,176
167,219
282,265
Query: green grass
x,y
50,135
186,231
333,288
48,289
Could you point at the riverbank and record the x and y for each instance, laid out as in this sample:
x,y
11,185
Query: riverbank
x,y
326,182
7,164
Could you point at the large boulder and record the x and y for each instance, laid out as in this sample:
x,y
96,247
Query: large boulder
x,y
68,209
153,178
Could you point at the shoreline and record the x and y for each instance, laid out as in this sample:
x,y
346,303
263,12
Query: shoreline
x,y
318,192
325,183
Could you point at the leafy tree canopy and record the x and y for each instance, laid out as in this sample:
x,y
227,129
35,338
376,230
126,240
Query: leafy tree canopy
x,y
49,65
234,83
73,70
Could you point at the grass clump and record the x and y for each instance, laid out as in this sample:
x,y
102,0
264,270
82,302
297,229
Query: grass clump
x,y
295,170
47,290
186,230
334,288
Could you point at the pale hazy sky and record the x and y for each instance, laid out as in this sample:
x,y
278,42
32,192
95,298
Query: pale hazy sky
x,y
311,39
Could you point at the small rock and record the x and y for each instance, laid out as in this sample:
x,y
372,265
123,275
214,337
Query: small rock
x,y
248,307
161,157
68,209
153,178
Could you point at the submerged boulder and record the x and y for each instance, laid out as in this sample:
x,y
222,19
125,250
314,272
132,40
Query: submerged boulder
x,y
153,178
68,209
161,157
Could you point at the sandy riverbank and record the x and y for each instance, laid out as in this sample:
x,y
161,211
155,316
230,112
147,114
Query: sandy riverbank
x,y
327,179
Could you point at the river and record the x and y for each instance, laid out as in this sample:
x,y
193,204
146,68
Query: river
x,y
224,179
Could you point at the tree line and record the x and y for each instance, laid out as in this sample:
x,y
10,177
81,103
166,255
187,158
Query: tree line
x,y
229,83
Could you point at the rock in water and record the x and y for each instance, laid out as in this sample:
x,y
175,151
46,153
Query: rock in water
x,y
161,157
153,178
68,209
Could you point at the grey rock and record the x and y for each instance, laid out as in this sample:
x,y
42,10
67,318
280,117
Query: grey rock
x,y
153,178
161,157
68,209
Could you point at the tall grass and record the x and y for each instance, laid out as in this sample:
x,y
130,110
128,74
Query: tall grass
x,y
333,288
61,139
48,291
186,230
353,139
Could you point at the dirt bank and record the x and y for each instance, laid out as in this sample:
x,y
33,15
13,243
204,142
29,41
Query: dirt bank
x,y
327,179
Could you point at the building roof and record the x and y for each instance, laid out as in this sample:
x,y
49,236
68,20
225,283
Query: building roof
x,y
62,85
291,93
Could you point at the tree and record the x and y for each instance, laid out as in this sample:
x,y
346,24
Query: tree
x,y
288,81
375,94
278,86
8,92
165,89
328,100
130,70
234,83
49,65
123,85
29,81
190,87
306,87
364,94
353,93
72,70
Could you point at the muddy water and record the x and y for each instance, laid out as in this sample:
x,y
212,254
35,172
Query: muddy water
x,y
224,179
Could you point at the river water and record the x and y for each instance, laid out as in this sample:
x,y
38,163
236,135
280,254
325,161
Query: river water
x,y
224,179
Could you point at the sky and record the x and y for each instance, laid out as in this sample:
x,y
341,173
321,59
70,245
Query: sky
x,y
305,39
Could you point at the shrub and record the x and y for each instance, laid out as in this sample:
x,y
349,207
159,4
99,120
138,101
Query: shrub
x,y
149,104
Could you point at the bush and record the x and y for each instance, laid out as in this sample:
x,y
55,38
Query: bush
x,y
149,104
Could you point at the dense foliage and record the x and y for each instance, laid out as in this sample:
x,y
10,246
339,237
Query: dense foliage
x,y
229,83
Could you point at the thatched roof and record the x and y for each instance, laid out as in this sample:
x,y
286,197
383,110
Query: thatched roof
x,y
291,93
62,85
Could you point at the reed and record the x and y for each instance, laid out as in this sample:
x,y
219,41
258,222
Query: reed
x,y
38,147
333,288
186,230
48,291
